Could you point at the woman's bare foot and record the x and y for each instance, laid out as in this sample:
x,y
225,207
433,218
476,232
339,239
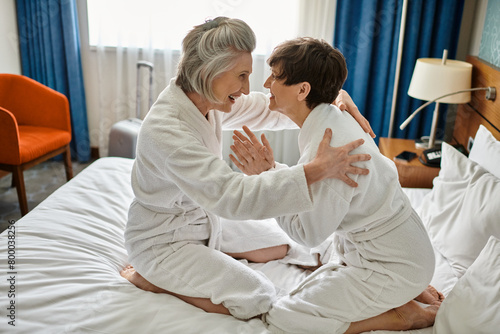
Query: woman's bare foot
x,y
205,304
409,316
135,278
414,316
430,296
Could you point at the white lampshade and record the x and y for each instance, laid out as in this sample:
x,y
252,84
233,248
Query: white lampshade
x,y
432,79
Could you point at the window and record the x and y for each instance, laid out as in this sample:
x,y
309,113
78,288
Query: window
x,y
163,24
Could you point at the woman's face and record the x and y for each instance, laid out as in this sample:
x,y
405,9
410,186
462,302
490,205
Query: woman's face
x,y
283,98
231,84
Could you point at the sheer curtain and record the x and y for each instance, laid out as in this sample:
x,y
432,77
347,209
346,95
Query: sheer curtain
x,y
115,52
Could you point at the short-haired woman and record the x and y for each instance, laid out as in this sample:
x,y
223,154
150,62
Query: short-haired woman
x,y
386,258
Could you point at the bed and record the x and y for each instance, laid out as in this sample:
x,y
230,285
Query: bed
x,y
61,263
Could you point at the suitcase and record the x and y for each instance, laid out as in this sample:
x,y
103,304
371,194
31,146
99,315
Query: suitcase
x,y
123,134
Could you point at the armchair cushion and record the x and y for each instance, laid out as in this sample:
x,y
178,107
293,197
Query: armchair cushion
x,y
37,141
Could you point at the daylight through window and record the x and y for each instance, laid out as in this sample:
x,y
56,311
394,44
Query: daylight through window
x,y
161,24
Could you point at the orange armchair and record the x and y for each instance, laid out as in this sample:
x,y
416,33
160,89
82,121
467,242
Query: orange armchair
x,y
34,127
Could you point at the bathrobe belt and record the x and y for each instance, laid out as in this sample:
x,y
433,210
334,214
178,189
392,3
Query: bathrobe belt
x,y
380,229
213,221
354,258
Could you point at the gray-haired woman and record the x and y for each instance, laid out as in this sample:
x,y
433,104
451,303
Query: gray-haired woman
x,y
182,186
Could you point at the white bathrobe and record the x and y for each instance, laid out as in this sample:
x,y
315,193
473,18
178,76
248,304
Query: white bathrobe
x,y
386,258
182,187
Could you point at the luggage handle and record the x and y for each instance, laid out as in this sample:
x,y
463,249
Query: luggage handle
x,y
150,67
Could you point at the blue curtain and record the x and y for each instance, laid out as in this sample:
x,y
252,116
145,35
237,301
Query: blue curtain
x,y
367,33
50,54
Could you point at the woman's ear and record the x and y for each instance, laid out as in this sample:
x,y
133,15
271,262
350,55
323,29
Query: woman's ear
x,y
304,89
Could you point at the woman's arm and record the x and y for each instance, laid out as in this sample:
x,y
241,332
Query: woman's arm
x,y
345,103
252,110
330,162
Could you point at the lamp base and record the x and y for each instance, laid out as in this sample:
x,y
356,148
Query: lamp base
x,y
423,142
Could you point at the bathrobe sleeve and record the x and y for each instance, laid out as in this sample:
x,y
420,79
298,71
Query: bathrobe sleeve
x,y
210,182
278,166
253,111
313,227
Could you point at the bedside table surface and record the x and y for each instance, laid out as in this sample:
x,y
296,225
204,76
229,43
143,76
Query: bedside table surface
x,y
390,147
412,174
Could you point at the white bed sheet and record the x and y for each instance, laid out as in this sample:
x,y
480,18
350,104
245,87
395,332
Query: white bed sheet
x,y
68,255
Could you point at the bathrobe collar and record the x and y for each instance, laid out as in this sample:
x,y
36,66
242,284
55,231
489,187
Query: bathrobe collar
x,y
210,130
309,127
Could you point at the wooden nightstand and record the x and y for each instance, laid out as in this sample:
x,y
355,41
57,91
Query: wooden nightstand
x,y
412,174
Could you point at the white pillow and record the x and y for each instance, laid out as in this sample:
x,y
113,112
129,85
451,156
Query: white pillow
x,y
473,306
486,151
463,209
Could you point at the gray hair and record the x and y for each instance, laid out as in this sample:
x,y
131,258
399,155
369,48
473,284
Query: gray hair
x,y
210,49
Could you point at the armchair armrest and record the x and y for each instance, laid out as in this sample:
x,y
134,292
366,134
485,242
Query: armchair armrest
x,y
9,138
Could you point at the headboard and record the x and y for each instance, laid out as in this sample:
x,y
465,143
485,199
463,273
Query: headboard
x,y
479,110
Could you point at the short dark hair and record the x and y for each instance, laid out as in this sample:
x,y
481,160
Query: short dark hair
x,y
314,61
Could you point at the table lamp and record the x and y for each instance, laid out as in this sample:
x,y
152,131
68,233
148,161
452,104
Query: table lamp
x,y
440,81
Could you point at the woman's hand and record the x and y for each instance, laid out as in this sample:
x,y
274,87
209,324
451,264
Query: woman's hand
x,y
335,162
253,157
344,102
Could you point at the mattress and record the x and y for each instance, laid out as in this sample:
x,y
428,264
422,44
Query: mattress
x,y
63,262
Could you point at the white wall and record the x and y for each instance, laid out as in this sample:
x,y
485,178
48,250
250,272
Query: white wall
x,y
10,61
90,76
472,28
477,26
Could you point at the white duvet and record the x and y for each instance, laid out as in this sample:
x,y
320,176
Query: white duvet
x,y
66,259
